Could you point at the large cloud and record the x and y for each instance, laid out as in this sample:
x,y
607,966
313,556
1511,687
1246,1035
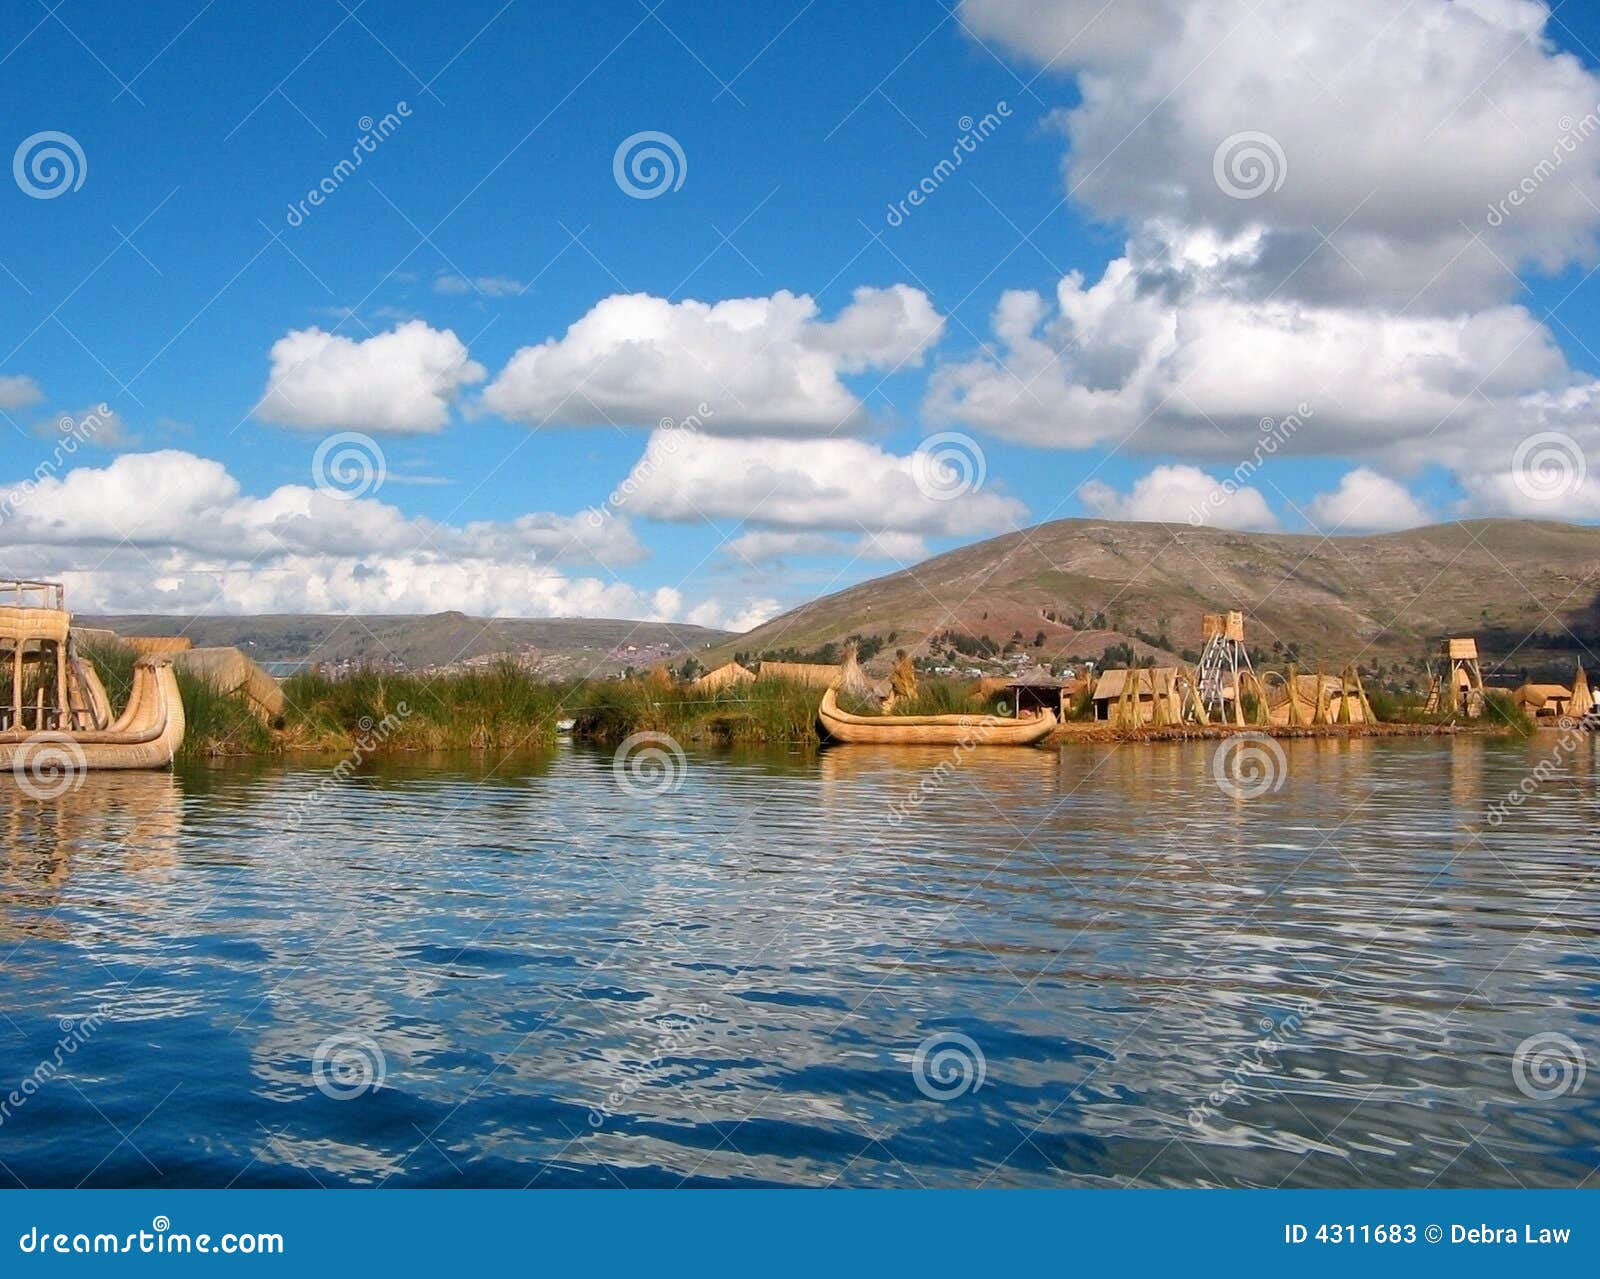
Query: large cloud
x,y
403,380
171,531
1162,354
839,484
757,365
1322,225
1393,133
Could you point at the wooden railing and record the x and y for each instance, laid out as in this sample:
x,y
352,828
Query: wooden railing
x,y
20,593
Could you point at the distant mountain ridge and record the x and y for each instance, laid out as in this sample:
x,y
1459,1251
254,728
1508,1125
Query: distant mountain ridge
x,y
559,647
1085,584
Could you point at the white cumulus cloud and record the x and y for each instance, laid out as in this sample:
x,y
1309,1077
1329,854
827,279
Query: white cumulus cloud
x,y
829,484
1325,207
1367,502
766,365
1181,495
404,380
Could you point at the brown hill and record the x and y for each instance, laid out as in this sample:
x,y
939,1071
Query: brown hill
x,y
1525,588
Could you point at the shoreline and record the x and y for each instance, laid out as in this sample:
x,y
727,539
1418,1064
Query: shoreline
x,y
541,737
1079,731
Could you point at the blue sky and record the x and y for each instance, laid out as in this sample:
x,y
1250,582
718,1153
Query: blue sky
x,y
491,212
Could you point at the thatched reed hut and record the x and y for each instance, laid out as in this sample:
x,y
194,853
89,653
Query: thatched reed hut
x,y
1154,690
1039,690
1543,701
725,676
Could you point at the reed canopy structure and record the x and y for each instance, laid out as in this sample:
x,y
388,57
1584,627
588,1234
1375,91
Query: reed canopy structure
x,y
47,688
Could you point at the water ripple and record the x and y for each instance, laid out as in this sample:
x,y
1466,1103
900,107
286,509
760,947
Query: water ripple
x,y
775,975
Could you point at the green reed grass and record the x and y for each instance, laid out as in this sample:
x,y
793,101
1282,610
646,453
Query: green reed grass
x,y
495,707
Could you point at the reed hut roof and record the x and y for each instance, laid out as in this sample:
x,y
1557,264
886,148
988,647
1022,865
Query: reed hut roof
x,y
724,675
801,672
1539,694
1151,679
1036,678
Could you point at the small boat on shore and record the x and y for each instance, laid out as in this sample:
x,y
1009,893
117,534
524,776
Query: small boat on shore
x,y
931,730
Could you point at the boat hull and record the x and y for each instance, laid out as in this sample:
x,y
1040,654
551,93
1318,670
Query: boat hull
x,y
930,730
146,735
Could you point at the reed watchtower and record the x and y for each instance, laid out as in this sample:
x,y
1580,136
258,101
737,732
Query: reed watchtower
x,y
1223,661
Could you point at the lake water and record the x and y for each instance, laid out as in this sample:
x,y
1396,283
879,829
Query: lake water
x,y
867,967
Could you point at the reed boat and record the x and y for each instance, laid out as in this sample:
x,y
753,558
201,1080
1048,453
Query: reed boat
x,y
931,730
55,717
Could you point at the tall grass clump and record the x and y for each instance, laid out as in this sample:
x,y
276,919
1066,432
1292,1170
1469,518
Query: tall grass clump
x,y
947,697
1501,710
768,710
218,722
494,707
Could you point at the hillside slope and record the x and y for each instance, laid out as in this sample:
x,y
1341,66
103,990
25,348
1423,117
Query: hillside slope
x,y
1088,583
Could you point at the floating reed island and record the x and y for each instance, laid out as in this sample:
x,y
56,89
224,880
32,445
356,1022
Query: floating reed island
x,y
145,702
